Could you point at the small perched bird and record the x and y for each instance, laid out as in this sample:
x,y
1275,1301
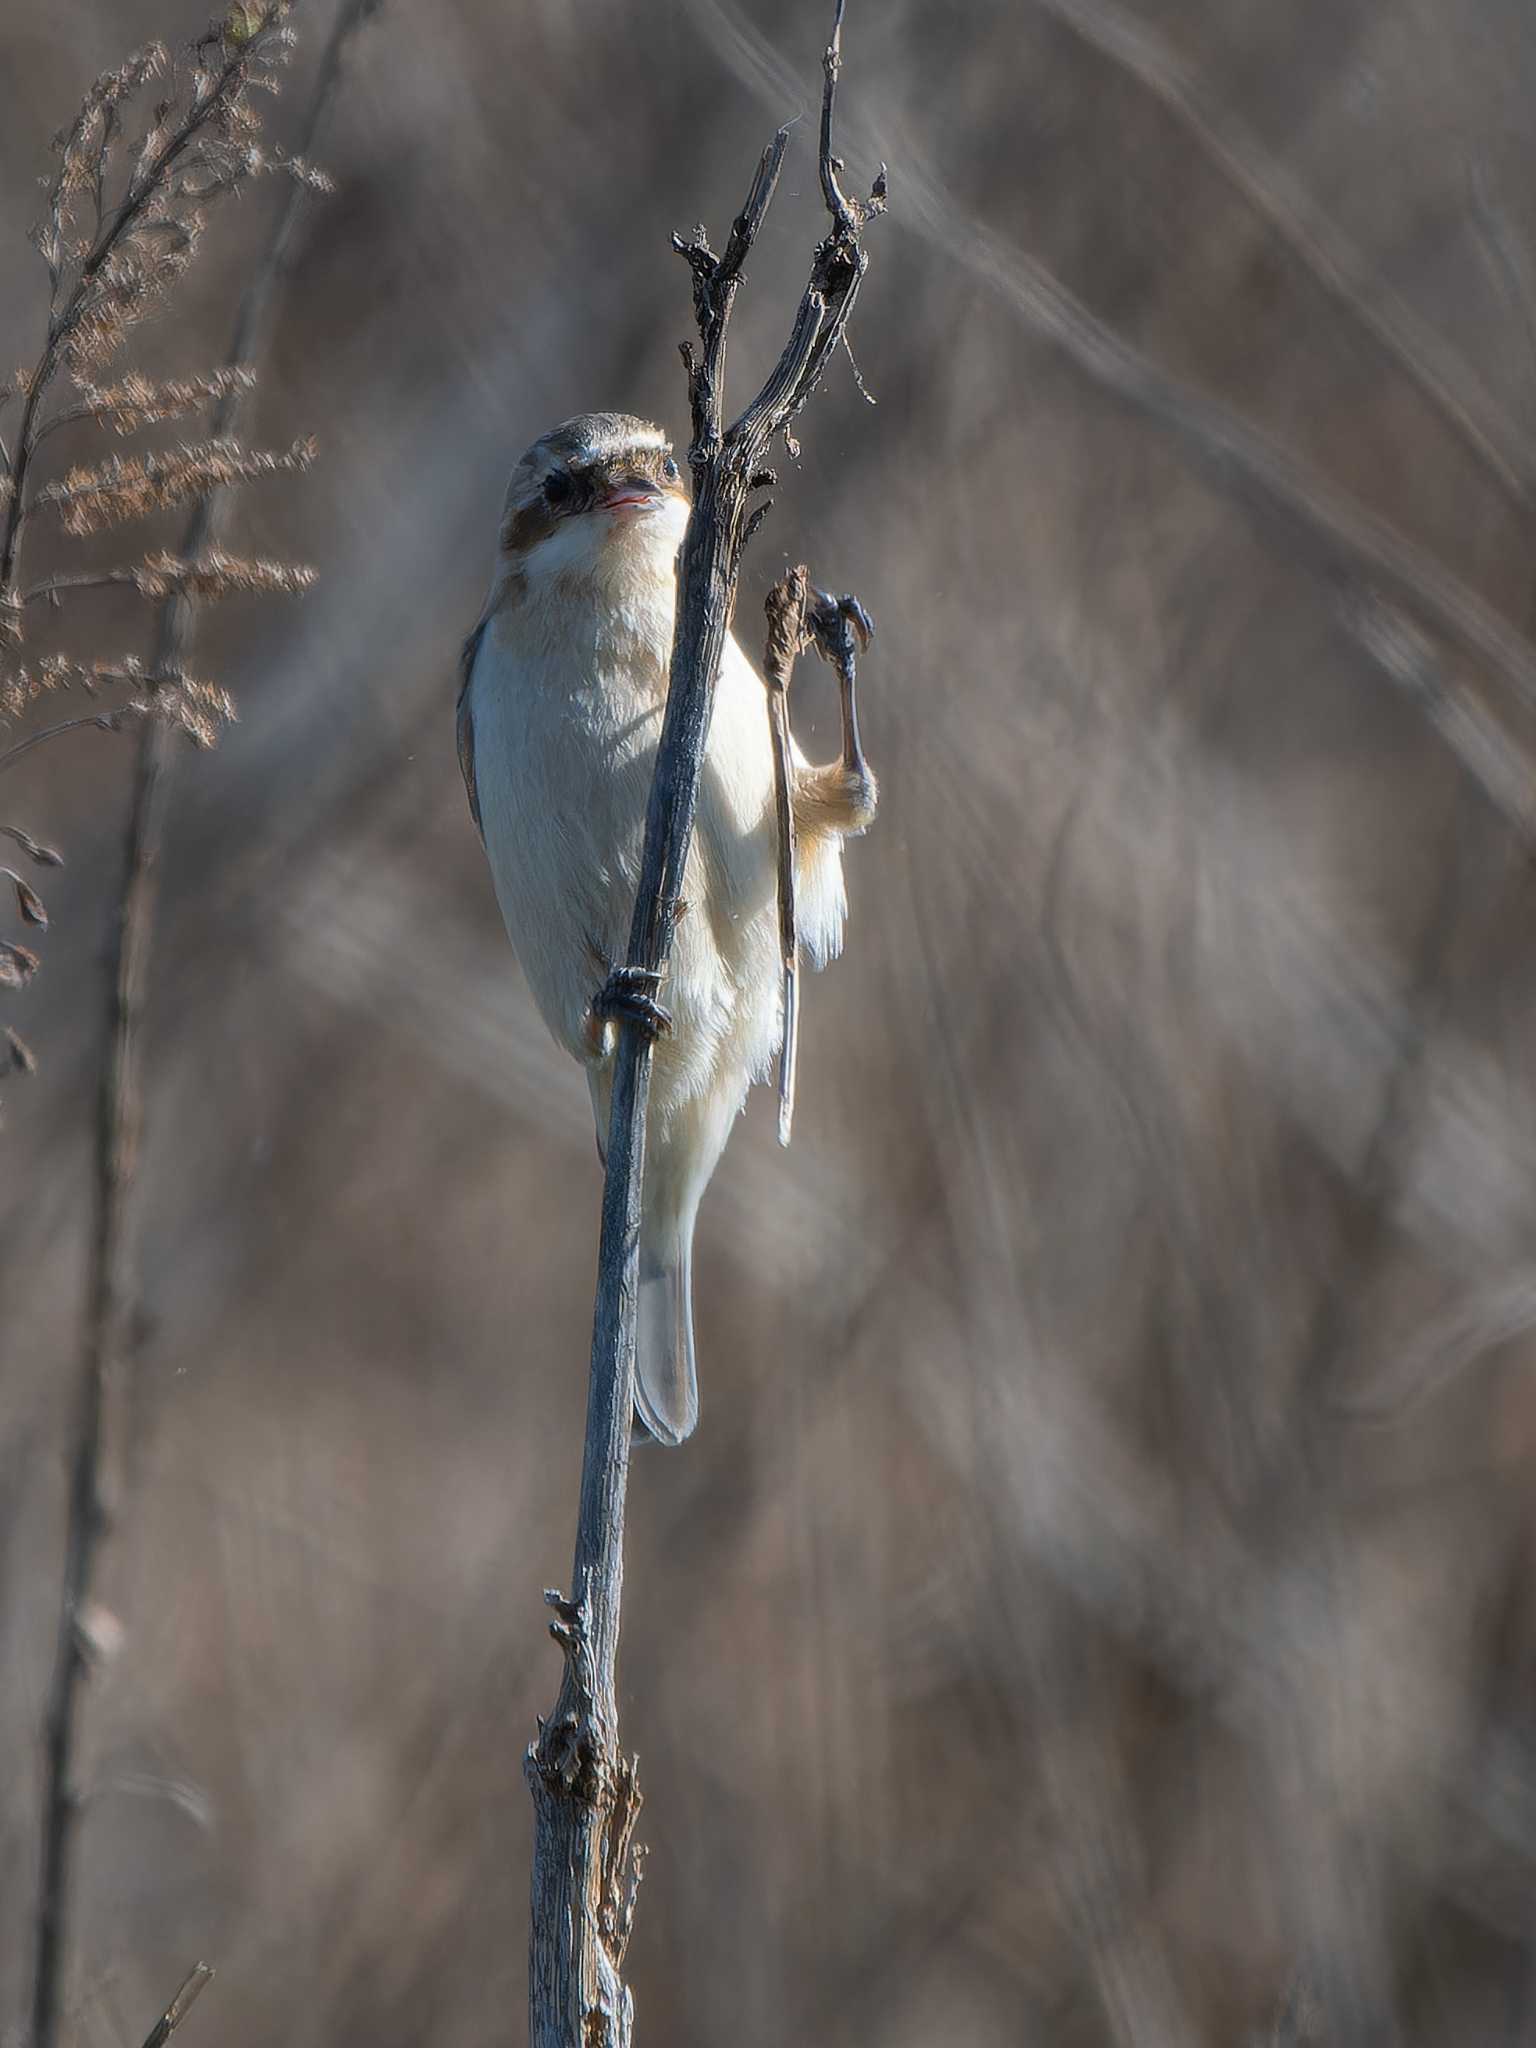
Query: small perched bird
x,y
564,683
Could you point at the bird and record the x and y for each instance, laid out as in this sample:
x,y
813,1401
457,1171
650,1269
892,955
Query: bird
x,y
563,686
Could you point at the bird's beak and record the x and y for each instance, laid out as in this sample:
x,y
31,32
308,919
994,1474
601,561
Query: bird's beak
x,y
630,494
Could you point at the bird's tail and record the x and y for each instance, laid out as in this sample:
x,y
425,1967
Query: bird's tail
x,y
666,1377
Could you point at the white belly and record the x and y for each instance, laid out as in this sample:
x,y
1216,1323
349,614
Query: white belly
x,y
565,748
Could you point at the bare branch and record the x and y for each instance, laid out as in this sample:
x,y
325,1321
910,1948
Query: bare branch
x,y
1329,528
101,721
582,1787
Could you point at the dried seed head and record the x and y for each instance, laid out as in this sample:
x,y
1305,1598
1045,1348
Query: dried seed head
x,y
131,487
242,23
125,210
305,173
45,856
135,402
18,964
217,574
140,271
197,708
29,903
23,686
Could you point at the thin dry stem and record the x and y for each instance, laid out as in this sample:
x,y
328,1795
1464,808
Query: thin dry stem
x,y
173,178
193,1985
786,636
134,402
216,573
577,1997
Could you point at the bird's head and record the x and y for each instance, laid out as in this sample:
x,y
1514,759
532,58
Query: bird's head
x,y
599,497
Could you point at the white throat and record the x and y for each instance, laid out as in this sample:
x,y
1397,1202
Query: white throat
x,y
620,555
598,594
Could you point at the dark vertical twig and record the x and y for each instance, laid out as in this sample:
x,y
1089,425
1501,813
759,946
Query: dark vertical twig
x,y
119,1124
584,1788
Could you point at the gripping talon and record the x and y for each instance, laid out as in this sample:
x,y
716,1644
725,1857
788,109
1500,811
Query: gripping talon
x,y
841,629
631,992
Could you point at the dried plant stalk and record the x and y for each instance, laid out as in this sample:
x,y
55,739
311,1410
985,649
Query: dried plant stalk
x,y
123,217
585,1868
837,627
193,1985
174,176
786,637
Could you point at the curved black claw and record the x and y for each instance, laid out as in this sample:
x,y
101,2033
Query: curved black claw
x,y
631,992
839,626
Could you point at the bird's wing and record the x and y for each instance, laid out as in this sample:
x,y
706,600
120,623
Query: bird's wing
x,y
466,722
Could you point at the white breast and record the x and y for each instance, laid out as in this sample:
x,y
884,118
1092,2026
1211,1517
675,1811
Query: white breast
x,y
566,699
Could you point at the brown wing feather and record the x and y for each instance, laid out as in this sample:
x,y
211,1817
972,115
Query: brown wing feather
x,y
466,723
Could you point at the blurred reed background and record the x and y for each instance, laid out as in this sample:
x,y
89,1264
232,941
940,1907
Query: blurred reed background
x,y
1097,1607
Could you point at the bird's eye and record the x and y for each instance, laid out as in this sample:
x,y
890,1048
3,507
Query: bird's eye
x,y
558,488
670,470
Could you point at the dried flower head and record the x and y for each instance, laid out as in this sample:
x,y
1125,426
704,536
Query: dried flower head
x,y
127,487
157,143
126,209
135,402
216,573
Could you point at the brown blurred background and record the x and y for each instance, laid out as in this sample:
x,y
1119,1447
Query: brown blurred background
x,y
1097,1607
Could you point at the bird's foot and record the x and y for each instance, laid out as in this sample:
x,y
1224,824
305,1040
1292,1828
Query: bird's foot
x,y
631,992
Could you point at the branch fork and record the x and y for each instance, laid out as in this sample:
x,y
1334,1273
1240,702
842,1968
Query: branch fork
x,y
586,1864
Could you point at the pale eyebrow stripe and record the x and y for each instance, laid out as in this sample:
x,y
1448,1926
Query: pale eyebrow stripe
x,y
613,444
551,453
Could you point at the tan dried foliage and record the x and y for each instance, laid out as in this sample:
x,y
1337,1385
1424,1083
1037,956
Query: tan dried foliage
x,y
124,218
136,402
196,707
21,688
18,964
128,487
28,902
157,142
217,573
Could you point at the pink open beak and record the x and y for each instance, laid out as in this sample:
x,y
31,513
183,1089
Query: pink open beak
x,y
630,498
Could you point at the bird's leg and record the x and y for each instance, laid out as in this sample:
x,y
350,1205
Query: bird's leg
x,y
630,992
842,795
